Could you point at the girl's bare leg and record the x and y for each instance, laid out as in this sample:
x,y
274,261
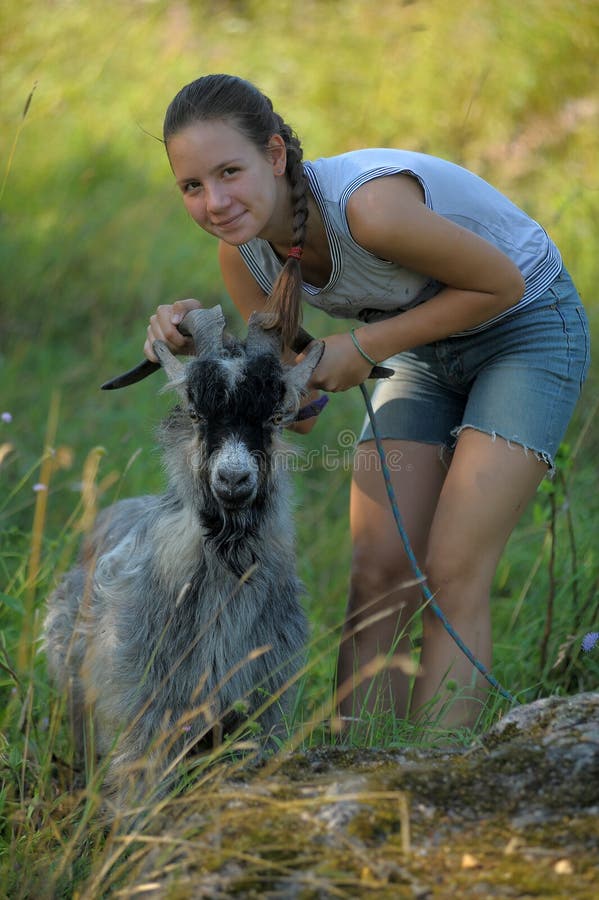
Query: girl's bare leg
x,y
458,521
380,604
488,486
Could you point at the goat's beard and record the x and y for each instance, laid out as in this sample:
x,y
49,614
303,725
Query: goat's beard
x,y
230,532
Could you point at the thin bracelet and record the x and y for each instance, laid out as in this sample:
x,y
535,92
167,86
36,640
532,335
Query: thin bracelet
x,y
361,350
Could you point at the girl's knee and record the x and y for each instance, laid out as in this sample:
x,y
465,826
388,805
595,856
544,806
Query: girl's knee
x,y
445,570
460,584
381,579
454,565
376,565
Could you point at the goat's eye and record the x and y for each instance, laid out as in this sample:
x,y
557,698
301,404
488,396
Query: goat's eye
x,y
193,414
277,419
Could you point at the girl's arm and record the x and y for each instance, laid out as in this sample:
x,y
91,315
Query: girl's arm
x,y
243,289
388,217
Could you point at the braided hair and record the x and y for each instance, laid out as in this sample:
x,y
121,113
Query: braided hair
x,y
228,97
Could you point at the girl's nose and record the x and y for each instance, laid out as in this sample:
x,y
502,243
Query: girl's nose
x,y
216,199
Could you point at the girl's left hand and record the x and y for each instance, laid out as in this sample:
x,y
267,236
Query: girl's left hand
x,y
341,366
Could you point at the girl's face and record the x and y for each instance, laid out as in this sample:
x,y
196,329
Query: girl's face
x,y
230,188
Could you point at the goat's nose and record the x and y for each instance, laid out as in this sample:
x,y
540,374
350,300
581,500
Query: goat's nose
x,y
235,474
233,479
234,485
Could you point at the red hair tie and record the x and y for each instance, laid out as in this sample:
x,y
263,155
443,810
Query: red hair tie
x,y
295,253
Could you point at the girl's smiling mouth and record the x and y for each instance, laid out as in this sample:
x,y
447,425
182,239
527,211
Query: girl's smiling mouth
x,y
228,223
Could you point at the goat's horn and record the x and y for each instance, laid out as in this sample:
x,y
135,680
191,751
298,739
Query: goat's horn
x,y
259,338
206,327
171,365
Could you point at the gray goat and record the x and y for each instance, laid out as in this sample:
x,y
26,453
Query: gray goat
x,y
182,617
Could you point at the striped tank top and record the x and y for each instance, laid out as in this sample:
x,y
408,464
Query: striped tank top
x,y
363,286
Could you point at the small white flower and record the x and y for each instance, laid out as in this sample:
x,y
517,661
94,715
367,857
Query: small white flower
x,y
6,417
40,487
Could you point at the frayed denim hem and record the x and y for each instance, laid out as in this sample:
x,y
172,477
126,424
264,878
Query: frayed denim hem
x,y
512,443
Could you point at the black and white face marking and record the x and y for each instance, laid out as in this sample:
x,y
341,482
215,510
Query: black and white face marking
x,y
238,405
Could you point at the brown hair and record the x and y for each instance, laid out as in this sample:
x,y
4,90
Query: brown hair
x,y
230,98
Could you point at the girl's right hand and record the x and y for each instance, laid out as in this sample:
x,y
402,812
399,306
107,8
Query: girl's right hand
x,y
163,327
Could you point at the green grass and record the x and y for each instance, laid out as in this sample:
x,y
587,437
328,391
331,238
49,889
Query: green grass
x,y
93,237
48,813
52,839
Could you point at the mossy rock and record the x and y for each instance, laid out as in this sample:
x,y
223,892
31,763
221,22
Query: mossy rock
x,y
514,815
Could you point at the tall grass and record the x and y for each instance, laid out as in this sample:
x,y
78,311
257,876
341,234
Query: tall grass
x,y
93,237
53,839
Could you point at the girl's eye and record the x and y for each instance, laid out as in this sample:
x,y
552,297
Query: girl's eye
x,y
191,186
231,170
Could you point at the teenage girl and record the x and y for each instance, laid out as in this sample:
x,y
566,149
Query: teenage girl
x,y
454,288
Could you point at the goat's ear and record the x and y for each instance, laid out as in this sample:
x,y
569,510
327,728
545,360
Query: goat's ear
x,y
174,369
298,376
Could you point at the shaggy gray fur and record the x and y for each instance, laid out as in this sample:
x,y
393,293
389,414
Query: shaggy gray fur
x,y
183,615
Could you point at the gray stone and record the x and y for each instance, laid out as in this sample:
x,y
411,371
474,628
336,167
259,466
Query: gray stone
x,y
514,815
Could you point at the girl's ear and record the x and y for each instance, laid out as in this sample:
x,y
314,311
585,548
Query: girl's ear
x,y
277,153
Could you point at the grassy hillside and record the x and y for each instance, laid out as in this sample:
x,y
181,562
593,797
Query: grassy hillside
x,y
94,236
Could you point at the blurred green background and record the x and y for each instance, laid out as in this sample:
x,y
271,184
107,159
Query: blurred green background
x,y
94,235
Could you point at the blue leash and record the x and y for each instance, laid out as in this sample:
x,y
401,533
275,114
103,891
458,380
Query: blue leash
x,y
416,568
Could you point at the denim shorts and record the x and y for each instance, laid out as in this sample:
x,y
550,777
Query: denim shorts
x,y
518,379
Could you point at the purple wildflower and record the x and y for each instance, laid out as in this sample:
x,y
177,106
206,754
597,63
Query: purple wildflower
x,y
6,417
589,640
